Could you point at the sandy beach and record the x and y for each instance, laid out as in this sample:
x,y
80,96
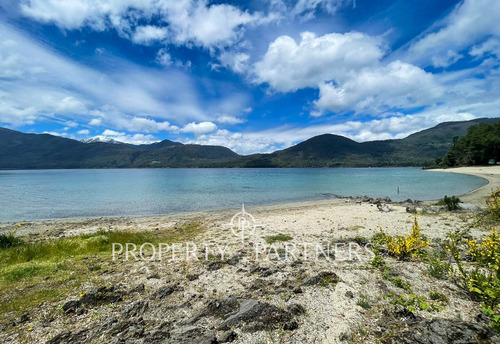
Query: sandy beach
x,y
490,173
348,311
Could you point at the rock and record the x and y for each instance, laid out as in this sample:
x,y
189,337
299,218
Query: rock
x,y
167,290
444,331
24,318
192,277
412,209
213,265
221,307
102,295
78,336
192,334
228,336
256,316
138,289
235,259
324,277
349,294
258,284
135,309
470,207
72,306
296,309
383,207
156,336
128,328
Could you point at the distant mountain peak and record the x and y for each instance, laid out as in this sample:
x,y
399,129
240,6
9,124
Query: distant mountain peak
x,y
101,138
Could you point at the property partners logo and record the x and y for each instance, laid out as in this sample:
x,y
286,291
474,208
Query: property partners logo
x,y
243,225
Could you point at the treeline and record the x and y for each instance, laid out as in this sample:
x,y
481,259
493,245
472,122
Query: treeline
x,y
479,146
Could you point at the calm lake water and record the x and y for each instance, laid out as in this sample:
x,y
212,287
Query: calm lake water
x,y
48,194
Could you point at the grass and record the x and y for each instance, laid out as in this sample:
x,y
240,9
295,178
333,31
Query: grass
x,y
277,238
35,272
438,269
364,303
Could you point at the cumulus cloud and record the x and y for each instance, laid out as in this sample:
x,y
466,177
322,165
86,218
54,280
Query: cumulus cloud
x,y
149,34
471,22
288,65
95,122
235,61
181,22
397,85
83,132
199,128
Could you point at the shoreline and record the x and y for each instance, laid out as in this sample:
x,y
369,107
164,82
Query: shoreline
x,y
489,173
82,225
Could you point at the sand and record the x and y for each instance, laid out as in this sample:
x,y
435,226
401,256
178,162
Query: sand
x,y
490,173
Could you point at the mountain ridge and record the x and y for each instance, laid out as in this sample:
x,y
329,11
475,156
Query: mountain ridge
x,y
38,151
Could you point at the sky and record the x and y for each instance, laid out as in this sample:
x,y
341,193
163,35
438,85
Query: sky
x,y
254,76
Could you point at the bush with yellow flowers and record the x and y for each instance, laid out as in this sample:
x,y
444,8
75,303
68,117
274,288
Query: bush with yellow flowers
x,y
493,203
409,245
482,278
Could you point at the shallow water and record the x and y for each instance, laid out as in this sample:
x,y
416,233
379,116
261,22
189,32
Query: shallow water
x,y
48,194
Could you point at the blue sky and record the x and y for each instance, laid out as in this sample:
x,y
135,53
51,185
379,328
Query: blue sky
x,y
254,76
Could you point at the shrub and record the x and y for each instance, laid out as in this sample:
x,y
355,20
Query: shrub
x,y
451,203
408,245
482,281
9,239
438,269
493,203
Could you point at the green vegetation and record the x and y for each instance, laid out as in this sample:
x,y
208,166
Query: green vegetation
x,y
10,239
36,272
407,246
277,238
451,203
478,147
364,303
413,302
438,269
480,274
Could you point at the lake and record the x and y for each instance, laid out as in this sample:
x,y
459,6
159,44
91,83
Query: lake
x,y
50,194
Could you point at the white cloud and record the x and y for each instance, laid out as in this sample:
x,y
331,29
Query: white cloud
x,y
288,65
149,34
38,84
397,85
138,124
199,128
136,139
308,7
237,62
83,132
188,21
226,119
471,22
163,58
95,122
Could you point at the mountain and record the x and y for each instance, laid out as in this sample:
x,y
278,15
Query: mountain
x,y
29,151
418,149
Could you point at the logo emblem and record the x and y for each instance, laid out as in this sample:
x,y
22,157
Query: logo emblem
x,y
243,224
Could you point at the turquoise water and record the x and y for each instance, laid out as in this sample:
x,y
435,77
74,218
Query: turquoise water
x,y
48,194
